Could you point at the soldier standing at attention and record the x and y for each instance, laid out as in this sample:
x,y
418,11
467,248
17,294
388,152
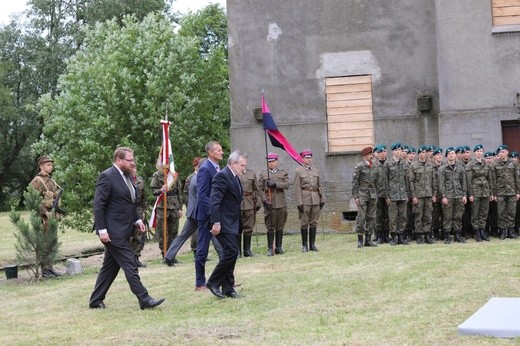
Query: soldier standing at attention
x,y
506,192
422,187
49,191
452,187
382,227
309,198
173,210
138,239
409,230
250,205
491,222
396,186
365,195
480,187
272,185
437,205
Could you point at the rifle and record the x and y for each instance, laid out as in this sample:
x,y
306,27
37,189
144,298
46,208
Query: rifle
x,y
55,204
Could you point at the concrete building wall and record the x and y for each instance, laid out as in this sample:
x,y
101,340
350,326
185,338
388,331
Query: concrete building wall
x,y
412,48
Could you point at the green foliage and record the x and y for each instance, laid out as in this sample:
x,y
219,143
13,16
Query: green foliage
x,y
35,245
117,89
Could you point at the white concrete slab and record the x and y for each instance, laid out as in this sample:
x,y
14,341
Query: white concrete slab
x,y
499,317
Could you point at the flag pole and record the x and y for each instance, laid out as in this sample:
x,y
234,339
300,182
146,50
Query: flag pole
x,y
165,202
269,196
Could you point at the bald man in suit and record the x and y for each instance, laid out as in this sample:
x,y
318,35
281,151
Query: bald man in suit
x,y
115,214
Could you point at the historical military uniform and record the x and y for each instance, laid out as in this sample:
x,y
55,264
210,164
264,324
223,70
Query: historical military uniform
x,y
49,207
272,185
138,239
422,190
382,226
250,205
365,194
396,187
480,187
173,209
309,198
453,188
506,189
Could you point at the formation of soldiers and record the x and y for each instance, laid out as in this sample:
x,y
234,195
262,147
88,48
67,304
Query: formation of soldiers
x,y
428,194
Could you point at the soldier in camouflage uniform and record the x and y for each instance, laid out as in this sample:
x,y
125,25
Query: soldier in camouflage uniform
x,y
272,185
437,205
480,187
49,207
396,187
422,190
506,192
453,188
492,219
382,221
409,229
173,209
250,205
364,193
138,239
309,198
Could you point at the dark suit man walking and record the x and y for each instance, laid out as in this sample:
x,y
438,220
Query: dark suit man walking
x,y
204,178
115,215
225,199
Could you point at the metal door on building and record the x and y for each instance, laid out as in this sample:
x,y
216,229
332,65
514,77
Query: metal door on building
x,y
511,135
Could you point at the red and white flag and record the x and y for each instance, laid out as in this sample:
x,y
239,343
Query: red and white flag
x,y
165,159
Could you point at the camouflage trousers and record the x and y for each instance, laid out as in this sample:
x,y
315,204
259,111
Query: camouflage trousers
x,y
137,241
506,211
172,230
452,215
366,216
479,212
423,215
397,216
437,215
382,215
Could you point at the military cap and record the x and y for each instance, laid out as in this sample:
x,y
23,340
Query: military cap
x,y
306,153
450,149
502,147
478,147
466,148
513,154
431,148
366,151
437,151
43,159
489,153
379,148
458,149
423,148
395,145
404,147
271,157
411,149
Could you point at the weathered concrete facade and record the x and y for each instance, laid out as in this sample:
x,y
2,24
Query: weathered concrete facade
x,y
411,48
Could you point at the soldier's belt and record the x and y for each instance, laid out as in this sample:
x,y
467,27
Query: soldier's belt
x,y
312,189
248,194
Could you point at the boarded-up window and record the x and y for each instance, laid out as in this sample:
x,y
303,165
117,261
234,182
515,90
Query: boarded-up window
x,y
349,113
506,15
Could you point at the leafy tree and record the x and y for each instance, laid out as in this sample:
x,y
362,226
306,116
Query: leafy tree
x,y
117,89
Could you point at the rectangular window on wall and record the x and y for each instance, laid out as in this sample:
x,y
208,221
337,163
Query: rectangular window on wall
x,y
350,123
506,15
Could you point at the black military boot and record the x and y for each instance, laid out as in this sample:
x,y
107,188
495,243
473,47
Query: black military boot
x,y
512,233
368,242
247,245
420,239
270,240
359,241
401,239
428,238
459,238
394,240
478,236
447,238
483,234
380,237
305,247
278,241
239,243
503,233
312,239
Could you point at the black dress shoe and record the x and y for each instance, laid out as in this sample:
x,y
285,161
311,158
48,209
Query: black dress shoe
x,y
55,273
152,303
215,290
176,261
234,294
46,273
140,264
168,262
100,305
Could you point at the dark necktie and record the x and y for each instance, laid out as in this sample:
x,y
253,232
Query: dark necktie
x,y
130,187
238,186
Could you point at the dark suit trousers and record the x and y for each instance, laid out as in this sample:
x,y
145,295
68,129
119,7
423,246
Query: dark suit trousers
x,y
223,274
189,228
118,254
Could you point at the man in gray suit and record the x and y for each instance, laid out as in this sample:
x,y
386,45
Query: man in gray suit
x,y
115,214
190,226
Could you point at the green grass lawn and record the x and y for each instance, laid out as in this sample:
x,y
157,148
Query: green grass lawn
x,y
413,295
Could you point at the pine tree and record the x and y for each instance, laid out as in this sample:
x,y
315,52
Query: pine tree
x,y
35,244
